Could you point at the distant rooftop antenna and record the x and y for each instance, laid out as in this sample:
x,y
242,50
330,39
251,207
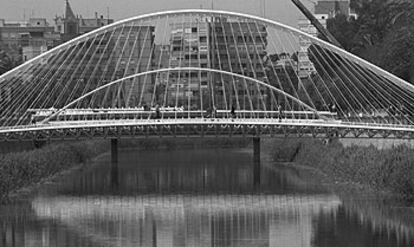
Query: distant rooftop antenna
x,y
107,12
212,4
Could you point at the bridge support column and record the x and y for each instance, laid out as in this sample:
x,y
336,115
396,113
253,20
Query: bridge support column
x,y
256,161
114,163
114,150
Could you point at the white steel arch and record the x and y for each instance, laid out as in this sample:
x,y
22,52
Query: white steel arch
x,y
345,84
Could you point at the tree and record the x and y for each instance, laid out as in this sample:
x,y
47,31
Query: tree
x,y
344,30
382,34
6,63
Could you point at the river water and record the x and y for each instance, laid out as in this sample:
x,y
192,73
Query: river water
x,y
200,197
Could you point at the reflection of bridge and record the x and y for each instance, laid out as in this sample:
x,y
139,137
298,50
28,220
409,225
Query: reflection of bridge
x,y
216,220
203,73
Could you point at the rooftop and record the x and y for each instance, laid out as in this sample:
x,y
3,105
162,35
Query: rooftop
x,y
333,7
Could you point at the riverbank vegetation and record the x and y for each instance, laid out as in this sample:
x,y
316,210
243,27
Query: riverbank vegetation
x,y
382,169
21,169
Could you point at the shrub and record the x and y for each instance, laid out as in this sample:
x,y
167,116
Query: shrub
x,y
21,169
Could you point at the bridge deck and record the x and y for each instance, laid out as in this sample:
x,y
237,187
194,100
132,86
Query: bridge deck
x,y
204,127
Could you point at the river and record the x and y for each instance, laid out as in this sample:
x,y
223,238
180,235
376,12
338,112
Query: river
x,y
200,197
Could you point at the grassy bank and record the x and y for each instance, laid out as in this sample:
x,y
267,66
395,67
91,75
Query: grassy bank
x,y
21,169
386,169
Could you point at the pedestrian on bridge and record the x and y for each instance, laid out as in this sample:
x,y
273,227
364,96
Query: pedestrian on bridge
x,y
280,112
233,112
208,112
157,112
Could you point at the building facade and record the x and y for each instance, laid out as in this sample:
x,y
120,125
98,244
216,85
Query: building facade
x,y
238,47
26,39
134,54
327,9
189,47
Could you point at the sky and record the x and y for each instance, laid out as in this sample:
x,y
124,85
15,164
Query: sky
x,y
279,10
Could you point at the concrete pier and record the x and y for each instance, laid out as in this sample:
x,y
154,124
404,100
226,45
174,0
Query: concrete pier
x,y
114,163
256,148
256,161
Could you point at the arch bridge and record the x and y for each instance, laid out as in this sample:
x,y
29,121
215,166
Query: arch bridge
x,y
204,73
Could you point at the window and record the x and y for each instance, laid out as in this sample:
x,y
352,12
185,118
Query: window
x,y
203,56
223,56
203,65
203,48
177,42
194,30
203,39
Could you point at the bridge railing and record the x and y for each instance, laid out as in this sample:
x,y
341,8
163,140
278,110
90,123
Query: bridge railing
x,y
38,115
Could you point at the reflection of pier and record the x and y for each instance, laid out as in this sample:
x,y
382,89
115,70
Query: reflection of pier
x,y
181,220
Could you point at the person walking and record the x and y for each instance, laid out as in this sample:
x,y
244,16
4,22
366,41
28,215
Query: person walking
x,y
214,114
233,112
280,112
157,112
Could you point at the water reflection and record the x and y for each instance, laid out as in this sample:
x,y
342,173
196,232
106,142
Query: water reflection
x,y
181,220
198,198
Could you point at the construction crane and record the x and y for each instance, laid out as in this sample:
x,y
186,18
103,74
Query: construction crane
x,y
323,31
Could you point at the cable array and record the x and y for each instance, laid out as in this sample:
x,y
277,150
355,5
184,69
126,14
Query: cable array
x,y
201,64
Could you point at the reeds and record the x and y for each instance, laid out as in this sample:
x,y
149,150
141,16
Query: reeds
x,y
383,169
21,169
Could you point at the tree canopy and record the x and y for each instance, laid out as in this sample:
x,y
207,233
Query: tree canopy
x,y
383,34
6,62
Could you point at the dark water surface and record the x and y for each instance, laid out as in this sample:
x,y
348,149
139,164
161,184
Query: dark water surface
x,y
200,198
